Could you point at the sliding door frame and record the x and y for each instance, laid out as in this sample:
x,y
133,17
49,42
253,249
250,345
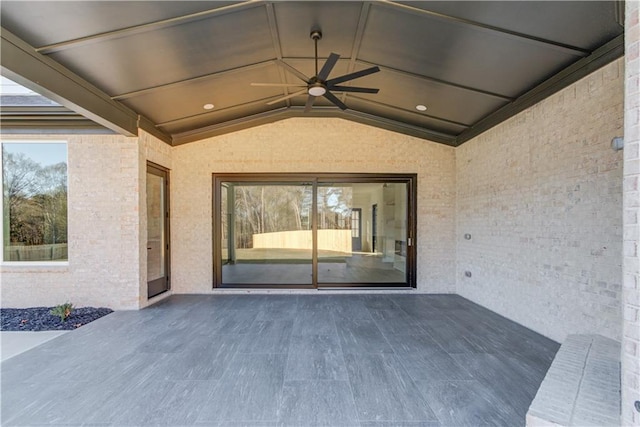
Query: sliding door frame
x,y
314,179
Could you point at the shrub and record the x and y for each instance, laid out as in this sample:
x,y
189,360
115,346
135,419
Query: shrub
x,y
63,311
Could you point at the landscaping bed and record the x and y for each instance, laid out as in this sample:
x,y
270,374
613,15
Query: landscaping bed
x,y
41,319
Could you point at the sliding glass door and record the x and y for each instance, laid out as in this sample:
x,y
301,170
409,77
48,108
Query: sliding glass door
x,y
331,230
346,254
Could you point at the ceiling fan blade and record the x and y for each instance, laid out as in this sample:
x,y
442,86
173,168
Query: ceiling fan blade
x,y
275,101
278,85
309,104
353,89
293,71
328,66
352,76
331,97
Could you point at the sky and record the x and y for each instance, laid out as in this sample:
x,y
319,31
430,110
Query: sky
x,y
8,87
44,153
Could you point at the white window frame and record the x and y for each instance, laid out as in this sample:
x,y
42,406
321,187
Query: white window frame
x,y
62,263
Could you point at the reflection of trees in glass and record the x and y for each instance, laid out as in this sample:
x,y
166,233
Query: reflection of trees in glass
x,y
35,198
334,208
271,208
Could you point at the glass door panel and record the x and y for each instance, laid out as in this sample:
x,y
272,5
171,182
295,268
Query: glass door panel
x,y
266,233
157,226
362,232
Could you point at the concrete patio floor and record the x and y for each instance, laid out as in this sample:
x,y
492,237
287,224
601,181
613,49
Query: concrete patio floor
x,y
262,360
13,343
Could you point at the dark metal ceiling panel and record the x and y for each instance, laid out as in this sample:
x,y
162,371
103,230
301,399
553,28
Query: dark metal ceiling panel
x,y
175,53
218,117
403,116
48,22
447,102
459,53
165,59
584,24
338,21
307,67
223,91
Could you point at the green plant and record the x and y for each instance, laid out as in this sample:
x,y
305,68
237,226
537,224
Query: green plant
x,y
63,311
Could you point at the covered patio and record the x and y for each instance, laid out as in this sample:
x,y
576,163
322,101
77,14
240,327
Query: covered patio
x,y
478,162
261,360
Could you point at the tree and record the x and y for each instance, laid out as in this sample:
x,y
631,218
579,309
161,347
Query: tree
x,y
35,199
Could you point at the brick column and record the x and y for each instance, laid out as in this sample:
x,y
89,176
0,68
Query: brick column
x,y
631,188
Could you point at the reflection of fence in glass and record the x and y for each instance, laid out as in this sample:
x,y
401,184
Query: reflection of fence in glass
x,y
260,209
57,252
34,178
279,216
328,240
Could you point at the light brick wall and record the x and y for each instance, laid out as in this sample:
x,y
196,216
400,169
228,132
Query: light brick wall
x,y
311,145
103,227
631,281
541,196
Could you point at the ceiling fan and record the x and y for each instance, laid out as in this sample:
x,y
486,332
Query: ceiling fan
x,y
318,85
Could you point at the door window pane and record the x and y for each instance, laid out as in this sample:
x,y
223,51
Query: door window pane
x,y
34,209
362,233
157,200
155,227
266,233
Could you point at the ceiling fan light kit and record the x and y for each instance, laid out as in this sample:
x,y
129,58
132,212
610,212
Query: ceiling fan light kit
x,y
319,84
317,90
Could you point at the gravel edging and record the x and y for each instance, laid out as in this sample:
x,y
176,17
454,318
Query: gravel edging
x,y
40,318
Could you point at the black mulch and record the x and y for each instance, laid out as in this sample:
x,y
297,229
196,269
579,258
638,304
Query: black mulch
x,y
40,318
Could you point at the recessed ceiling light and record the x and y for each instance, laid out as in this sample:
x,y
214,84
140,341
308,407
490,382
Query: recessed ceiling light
x,y
421,107
208,106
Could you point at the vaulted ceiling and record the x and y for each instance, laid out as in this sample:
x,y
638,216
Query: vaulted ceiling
x,y
155,64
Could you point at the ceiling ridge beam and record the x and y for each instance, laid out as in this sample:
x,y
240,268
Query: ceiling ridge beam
x,y
277,45
396,126
357,41
226,127
600,57
192,80
436,80
263,63
207,113
440,119
142,28
330,112
20,62
573,50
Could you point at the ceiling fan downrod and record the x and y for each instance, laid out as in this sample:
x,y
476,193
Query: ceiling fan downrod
x,y
316,35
